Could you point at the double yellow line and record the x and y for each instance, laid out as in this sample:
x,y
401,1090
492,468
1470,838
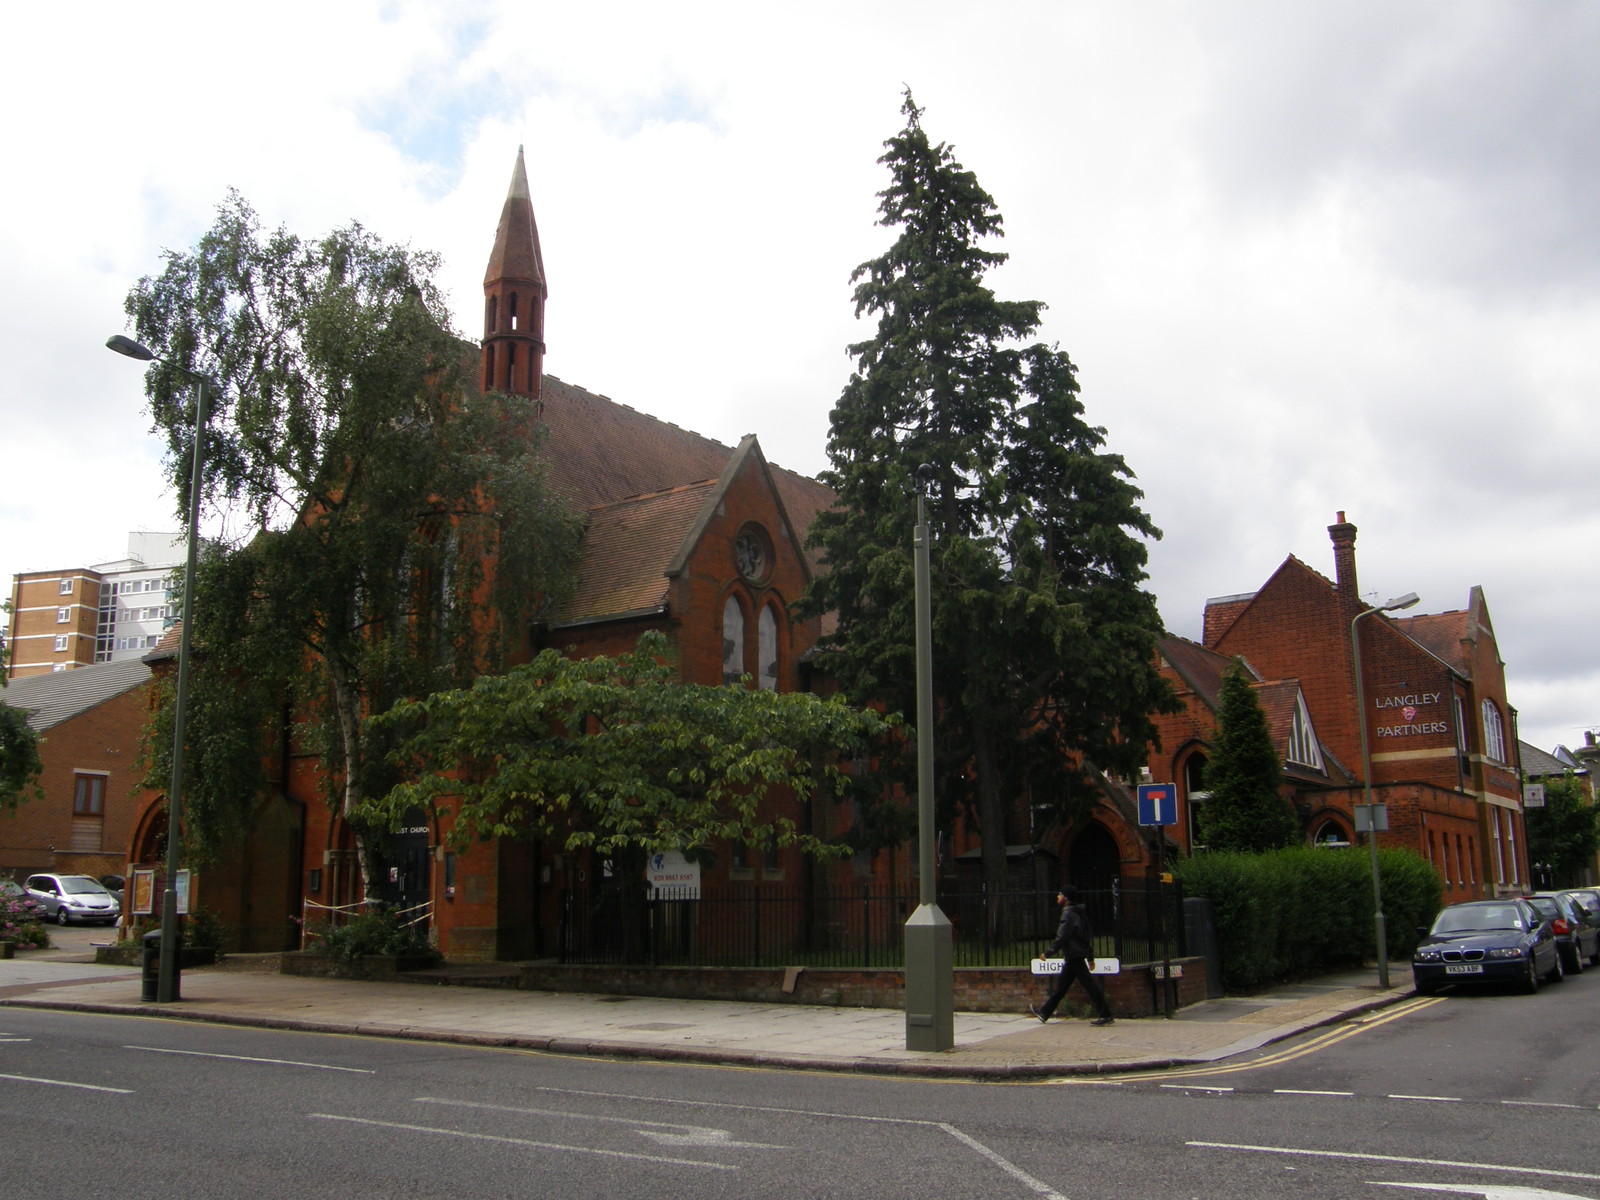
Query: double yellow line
x,y
1321,1042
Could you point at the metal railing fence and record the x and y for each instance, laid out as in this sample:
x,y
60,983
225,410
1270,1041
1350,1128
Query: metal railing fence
x,y
860,926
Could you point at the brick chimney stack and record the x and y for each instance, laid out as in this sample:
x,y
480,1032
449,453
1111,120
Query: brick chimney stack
x,y
1344,561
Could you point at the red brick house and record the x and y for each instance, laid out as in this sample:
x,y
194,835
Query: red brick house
x,y
90,720
1441,733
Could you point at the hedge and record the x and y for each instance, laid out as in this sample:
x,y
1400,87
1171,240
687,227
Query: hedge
x,y
1287,914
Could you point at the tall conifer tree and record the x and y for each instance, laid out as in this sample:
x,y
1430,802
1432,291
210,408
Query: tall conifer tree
x,y
1245,810
1044,637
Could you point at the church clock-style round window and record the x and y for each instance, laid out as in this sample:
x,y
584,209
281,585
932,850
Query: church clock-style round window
x,y
752,553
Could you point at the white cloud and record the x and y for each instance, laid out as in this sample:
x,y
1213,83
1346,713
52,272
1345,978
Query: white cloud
x,y
1307,257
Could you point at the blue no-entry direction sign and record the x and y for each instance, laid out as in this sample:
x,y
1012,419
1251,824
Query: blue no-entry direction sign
x,y
1158,804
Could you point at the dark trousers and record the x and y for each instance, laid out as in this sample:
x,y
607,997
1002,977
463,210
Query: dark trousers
x,y
1076,969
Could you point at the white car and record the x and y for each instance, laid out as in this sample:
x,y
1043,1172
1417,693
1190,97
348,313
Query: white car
x,y
66,899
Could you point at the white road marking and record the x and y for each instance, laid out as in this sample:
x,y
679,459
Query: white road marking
x,y
15,1039
513,1141
88,1087
667,1133
1195,1087
1008,1167
1394,1158
276,1062
1307,1092
1438,1099
1542,1104
1489,1193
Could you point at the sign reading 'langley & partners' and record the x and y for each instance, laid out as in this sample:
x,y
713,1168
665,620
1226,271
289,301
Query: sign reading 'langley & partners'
x,y
1408,707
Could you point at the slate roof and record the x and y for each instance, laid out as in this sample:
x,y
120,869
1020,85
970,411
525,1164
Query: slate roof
x,y
1537,764
61,695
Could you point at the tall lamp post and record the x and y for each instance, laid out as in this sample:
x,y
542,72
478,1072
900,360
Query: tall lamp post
x,y
167,979
930,976
1381,928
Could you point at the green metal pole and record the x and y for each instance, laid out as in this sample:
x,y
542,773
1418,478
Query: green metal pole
x,y
167,977
930,976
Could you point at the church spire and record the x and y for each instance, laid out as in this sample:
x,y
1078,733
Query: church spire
x,y
514,293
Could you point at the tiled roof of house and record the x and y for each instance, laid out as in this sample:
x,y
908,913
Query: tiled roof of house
x,y
626,550
640,480
61,695
1200,668
1440,634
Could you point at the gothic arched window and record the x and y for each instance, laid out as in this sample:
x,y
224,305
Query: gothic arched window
x,y
732,640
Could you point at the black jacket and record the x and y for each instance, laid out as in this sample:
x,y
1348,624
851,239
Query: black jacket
x,y
1074,938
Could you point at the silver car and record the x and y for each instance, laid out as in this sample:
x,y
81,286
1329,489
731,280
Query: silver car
x,y
66,899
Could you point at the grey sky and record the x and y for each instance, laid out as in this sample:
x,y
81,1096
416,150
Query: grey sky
x,y
1307,257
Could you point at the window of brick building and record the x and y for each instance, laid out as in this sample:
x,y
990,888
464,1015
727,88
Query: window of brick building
x,y
66,587
63,615
732,640
767,649
88,812
1494,733
1303,747
61,641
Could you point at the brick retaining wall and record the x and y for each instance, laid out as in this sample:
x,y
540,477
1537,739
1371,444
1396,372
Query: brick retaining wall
x,y
977,989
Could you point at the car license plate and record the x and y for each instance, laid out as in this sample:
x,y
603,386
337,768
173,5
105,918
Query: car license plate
x,y
1464,969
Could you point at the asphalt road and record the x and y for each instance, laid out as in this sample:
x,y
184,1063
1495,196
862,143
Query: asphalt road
x,y
1457,1095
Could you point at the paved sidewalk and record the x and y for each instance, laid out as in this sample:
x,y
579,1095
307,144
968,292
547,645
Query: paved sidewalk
x,y
987,1045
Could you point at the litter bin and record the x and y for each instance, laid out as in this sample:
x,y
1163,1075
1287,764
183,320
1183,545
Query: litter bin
x,y
150,970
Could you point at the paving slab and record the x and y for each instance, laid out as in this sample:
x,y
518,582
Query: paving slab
x,y
793,1036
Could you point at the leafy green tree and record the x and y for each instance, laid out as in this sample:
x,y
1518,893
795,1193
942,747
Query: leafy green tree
x,y
613,754
1245,810
1044,639
20,765
1564,835
397,536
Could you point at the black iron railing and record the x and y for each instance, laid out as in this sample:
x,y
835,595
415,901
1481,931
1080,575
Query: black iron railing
x,y
766,925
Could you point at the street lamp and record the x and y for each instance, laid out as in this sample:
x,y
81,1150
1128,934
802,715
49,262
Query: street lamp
x,y
1381,930
930,976
167,979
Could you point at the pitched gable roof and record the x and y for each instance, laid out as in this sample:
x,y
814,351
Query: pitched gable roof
x,y
627,549
1198,667
1537,764
1441,635
61,695
600,451
647,487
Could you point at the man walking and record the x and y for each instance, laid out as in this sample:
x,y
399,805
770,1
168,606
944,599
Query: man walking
x,y
1075,943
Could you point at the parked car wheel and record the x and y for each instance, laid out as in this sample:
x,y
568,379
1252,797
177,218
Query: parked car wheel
x,y
1531,983
1423,989
1558,971
1575,967
61,916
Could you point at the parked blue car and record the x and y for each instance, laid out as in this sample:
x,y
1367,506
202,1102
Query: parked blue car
x,y
1487,941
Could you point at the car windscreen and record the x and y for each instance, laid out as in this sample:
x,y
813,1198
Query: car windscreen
x,y
1461,920
78,887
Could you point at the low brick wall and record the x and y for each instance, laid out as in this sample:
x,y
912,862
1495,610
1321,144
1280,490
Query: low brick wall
x,y
382,968
1132,993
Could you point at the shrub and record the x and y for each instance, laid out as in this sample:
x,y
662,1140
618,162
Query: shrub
x,y
378,932
20,922
1287,914
205,930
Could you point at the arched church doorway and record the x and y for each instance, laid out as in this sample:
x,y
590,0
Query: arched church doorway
x,y
1094,860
